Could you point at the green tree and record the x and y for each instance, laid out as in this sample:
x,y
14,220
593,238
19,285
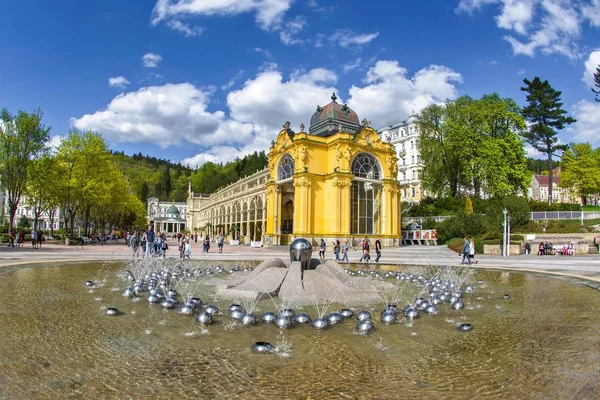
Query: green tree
x,y
22,139
580,170
597,83
144,192
545,115
40,192
164,186
23,223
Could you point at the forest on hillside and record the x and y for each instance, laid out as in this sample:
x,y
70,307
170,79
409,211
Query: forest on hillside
x,y
168,181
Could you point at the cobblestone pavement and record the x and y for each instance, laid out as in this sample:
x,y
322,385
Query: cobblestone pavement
x,y
580,266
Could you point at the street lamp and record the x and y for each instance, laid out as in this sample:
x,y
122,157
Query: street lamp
x,y
504,226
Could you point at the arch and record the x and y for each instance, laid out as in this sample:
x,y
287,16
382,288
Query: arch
x,y
285,169
365,165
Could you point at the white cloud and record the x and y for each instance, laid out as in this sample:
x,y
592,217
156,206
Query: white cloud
x,y
118,81
319,40
390,96
233,80
151,60
352,65
346,38
268,13
290,29
163,115
185,28
546,26
591,64
587,127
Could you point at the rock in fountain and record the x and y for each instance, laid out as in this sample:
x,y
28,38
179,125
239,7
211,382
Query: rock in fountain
x,y
262,348
89,283
465,327
302,319
365,327
269,318
364,316
320,323
204,318
112,312
248,319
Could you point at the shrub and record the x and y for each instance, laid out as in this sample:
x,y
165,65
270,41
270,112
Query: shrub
x,y
429,223
459,227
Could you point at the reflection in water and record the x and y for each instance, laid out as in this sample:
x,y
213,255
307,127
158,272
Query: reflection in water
x,y
543,342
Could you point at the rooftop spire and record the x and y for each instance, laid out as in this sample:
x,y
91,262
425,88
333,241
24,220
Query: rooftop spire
x,y
333,97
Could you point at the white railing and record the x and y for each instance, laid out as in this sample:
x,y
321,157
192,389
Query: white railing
x,y
535,216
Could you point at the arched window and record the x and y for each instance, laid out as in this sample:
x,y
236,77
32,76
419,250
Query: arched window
x,y
365,166
365,195
286,168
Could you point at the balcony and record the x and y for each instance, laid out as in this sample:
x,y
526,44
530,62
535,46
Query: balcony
x,y
402,153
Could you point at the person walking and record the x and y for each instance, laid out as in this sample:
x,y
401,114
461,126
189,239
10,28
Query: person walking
x,y
33,236
322,247
149,234
472,251
466,252
378,249
345,249
188,249
336,249
220,240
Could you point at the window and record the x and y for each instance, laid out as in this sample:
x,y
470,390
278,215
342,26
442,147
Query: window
x,y
412,144
412,159
365,166
286,167
403,161
365,195
412,192
404,176
414,175
418,159
403,147
404,192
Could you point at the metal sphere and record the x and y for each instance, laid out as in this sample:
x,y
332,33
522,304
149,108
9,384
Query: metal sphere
x,y
412,313
195,301
333,318
89,283
152,299
204,318
320,323
458,293
112,312
453,299
212,310
128,292
167,304
302,318
283,323
234,307
346,313
469,289
262,348
388,317
465,327
365,327
269,318
458,305
248,319
186,309
364,316
431,309
506,296
236,314
301,250
172,293
287,312
423,305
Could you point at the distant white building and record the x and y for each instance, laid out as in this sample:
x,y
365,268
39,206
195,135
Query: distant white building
x,y
405,136
25,209
167,217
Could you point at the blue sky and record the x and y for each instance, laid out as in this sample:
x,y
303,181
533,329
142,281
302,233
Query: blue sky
x,y
199,80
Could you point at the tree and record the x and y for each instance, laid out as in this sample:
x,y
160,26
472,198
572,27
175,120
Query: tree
x,y
164,186
545,115
144,192
41,182
597,83
22,139
580,170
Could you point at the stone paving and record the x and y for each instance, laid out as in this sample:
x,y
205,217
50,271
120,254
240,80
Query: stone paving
x,y
587,266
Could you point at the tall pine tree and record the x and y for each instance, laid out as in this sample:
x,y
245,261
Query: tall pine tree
x,y
545,114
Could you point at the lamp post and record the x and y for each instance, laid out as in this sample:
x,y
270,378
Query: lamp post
x,y
508,236
505,212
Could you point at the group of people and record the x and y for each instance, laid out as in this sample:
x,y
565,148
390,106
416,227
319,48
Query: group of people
x,y
468,252
17,239
338,249
548,249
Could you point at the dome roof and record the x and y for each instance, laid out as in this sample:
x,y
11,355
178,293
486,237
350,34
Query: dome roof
x,y
328,119
173,210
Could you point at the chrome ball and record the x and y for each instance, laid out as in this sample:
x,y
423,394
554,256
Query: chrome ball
x,y
506,296
458,305
269,318
365,327
283,323
436,300
128,292
346,313
423,305
262,348
457,293
212,310
204,318
364,316
301,250
186,310
287,312
236,314
195,302
333,318
89,283
302,318
431,309
112,312
469,289
248,319
320,323
412,313
172,293
388,317
167,304
234,307
453,299
152,299
465,327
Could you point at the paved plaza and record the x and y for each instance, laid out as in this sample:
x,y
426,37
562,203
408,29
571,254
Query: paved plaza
x,y
587,267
